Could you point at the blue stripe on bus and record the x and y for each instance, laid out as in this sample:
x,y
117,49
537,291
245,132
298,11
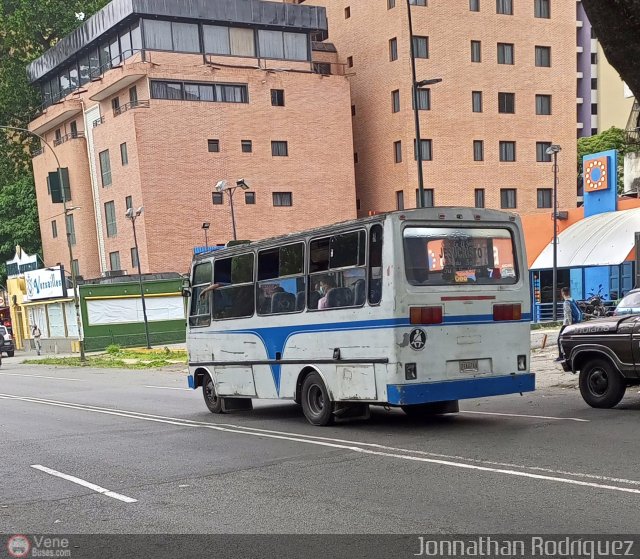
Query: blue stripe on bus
x,y
424,393
275,338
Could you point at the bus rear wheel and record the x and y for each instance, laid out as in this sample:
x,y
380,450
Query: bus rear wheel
x,y
424,411
316,404
211,398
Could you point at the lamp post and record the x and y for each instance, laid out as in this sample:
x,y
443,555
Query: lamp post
x,y
130,214
223,186
416,110
205,228
67,212
554,150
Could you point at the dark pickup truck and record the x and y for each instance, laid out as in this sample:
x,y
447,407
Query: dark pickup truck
x,y
606,353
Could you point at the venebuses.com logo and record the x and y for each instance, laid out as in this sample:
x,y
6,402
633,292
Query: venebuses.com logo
x,y
18,546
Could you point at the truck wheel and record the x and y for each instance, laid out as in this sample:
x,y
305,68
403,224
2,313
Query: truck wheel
x,y
10,353
601,385
316,404
424,411
213,401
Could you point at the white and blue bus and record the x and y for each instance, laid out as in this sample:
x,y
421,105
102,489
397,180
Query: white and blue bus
x,y
415,309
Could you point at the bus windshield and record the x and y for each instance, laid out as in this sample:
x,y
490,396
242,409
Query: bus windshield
x,y
453,255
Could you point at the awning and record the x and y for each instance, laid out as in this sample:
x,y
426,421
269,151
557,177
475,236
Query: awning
x,y
600,240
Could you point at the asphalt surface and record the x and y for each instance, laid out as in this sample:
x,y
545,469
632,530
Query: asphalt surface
x,y
543,462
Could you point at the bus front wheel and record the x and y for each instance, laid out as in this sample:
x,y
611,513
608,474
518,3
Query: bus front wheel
x,y
316,404
213,401
422,411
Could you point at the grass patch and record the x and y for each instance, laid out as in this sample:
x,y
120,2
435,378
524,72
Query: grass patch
x,y
117,358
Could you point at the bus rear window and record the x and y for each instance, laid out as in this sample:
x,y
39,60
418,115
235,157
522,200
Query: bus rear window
x,y
452,256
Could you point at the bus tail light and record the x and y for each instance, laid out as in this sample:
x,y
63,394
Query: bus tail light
x,y
425,315
507,312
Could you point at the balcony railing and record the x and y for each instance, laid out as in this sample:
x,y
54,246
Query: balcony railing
x,y
98,121
38,152
67,137
145,104
329,68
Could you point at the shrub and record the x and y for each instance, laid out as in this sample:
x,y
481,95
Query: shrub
x,y
113,349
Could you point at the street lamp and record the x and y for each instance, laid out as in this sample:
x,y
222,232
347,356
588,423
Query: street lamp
x,y
223,186
205,228
554,150
130,214
416,110
67,212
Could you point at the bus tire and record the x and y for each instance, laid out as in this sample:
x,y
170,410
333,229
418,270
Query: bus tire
x,y
423,411
316,404
211,399
601,385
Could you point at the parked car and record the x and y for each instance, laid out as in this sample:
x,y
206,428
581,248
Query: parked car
x,y
606,354
6,340
629,304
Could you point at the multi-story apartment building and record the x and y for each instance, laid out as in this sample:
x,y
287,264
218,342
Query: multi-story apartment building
x,y
587,68
508,91
152,103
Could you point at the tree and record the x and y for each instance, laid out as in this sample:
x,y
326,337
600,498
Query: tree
x,y
614,138
617,25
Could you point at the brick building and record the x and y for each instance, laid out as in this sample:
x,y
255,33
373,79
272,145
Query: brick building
x,y
152,103
508,91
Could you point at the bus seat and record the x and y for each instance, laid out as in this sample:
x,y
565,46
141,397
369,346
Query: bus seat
x,y
314,297
339,297
359,293
300,301
283,302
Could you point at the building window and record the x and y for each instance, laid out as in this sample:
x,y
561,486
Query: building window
x,y
128,202
543,57
282,199
71,229
277,97
279,149
504,7
350,61
124,155
541,152
424,99
543,104
217,198
110,219
594,108
347,12
134,257
393,49
479,197
395,101
114,261
426,151
209,92
508,200
545,197
391,4
420,47
213,146
474,5
507,151
506,53
74,129
476,101
246,146
397,151
234,41
105,167
418,2
594,83
115,105
594,58
353,110
478,150
507,103
133,96
250,198
476,51
399,200
171,36
428,198
54,229
542,8
283,45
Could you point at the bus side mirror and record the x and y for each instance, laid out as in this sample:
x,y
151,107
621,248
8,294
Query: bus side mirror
x,y
186,287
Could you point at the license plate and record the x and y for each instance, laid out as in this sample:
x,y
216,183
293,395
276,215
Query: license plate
x,y
469,366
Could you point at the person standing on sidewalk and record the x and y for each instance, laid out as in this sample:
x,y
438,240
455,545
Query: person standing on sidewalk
x,y
35,332
571,315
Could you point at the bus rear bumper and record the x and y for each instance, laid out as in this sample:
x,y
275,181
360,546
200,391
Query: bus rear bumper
x,y
424,393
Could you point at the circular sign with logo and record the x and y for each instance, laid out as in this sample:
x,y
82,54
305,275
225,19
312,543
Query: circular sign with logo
x,y
18,546
417,339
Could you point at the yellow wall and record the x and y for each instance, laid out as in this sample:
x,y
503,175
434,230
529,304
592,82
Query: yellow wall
x,y
19,317
613,107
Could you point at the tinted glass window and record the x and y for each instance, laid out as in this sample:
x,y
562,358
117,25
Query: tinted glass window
x,y
199,314
234,298
375,264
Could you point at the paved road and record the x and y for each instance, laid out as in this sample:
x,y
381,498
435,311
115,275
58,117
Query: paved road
x,y
543,462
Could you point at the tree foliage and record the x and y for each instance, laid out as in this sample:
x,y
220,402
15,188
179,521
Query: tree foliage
x,y
614,138
27,29
617,25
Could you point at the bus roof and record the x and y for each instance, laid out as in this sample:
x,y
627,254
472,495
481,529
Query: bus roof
x,y
452,213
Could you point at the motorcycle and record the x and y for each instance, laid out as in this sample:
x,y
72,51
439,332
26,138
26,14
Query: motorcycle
x,y
593,306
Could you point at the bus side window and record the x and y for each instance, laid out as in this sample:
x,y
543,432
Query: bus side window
x,y
281,281
375,264
200,313
234,298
